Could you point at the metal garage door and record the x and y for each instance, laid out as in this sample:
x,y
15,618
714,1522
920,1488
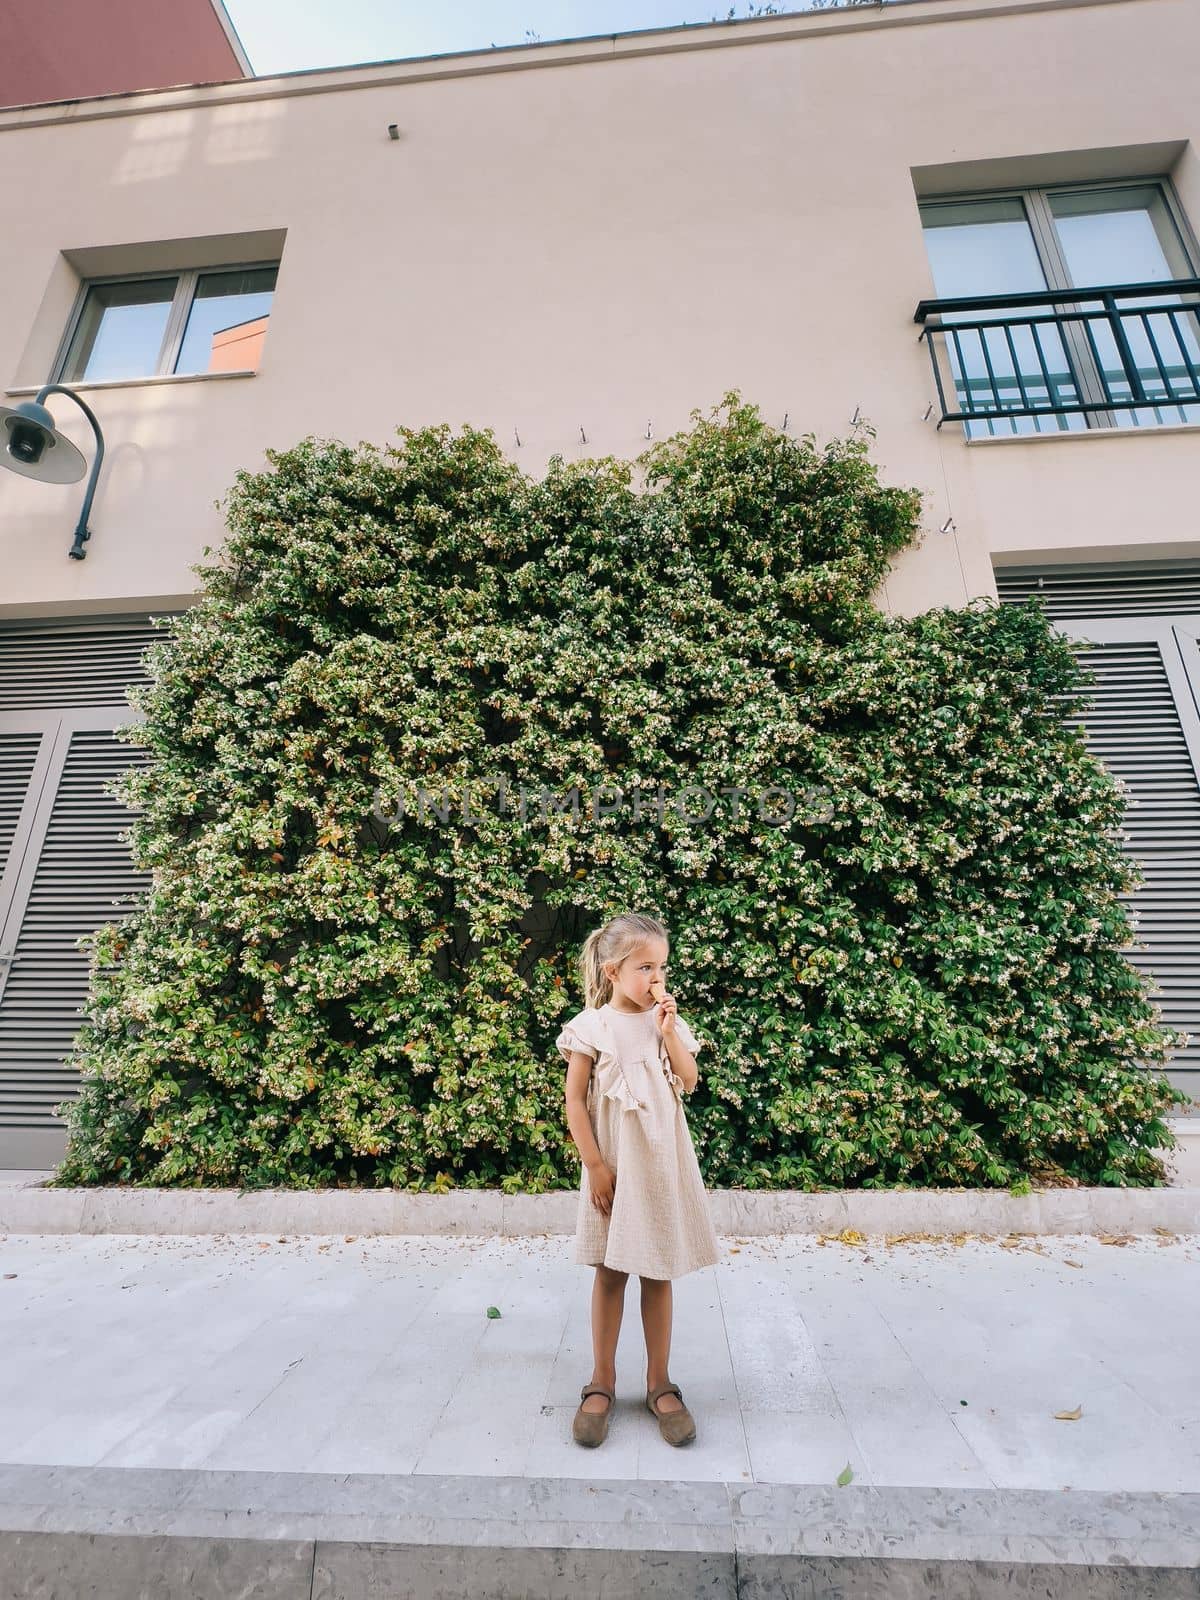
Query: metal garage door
x,y
63,868
1144,722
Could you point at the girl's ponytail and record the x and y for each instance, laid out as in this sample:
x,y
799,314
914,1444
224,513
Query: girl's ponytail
x,y
596,987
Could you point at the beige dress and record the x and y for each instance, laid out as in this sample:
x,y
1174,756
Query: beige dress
x,y
659,1226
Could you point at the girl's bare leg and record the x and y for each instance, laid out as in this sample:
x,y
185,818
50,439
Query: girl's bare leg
x,y
656,1323
608,1302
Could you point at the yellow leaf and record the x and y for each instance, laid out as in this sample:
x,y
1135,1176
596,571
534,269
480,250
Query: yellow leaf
x,y
847,1236
1069,1416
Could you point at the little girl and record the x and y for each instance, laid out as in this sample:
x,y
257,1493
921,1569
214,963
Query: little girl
x,y
642,1204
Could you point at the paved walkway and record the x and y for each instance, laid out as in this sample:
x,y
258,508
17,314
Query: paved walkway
x,y
141,1371
936,1363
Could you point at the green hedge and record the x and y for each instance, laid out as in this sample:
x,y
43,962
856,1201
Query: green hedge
x,y
914,978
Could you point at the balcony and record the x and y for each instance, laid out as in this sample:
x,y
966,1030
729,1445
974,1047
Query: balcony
x,y
1117,355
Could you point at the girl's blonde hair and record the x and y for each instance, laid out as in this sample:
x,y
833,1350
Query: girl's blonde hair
x,y
618,938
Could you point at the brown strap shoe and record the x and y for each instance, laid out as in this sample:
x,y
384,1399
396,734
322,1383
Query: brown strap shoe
x,y
591,1427
676,1427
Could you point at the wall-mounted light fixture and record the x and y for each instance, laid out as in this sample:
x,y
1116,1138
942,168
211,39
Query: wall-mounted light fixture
x,y
34,447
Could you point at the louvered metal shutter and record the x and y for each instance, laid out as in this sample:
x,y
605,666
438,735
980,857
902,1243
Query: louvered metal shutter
x,y
64,870
1144,724
1108,588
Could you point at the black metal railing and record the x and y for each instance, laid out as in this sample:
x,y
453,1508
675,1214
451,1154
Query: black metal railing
x,y
1058,352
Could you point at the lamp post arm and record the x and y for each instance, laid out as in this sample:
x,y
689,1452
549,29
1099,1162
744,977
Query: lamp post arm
x,y
82,531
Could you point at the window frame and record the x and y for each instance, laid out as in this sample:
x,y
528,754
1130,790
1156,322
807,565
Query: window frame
x,y
175,328
1034,200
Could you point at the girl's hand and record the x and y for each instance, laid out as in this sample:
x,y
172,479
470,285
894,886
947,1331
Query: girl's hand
x,y
602,1182
666,1013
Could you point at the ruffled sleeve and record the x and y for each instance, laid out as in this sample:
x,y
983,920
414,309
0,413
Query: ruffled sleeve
x,y
586,1031
689,1041
688,1038
580,1033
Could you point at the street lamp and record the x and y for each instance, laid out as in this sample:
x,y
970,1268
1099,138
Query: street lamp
x,y
34,447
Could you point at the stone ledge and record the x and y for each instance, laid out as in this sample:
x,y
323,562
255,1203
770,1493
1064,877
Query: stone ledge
x,y
67,1529
31,1208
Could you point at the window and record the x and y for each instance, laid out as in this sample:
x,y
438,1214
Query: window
x,y
1040,356
180,322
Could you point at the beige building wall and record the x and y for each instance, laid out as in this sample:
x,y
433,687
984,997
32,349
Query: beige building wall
x,y
599,236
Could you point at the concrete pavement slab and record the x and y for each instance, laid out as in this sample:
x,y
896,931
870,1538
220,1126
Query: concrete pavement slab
x,y
349,1402
214,1535
935,1358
